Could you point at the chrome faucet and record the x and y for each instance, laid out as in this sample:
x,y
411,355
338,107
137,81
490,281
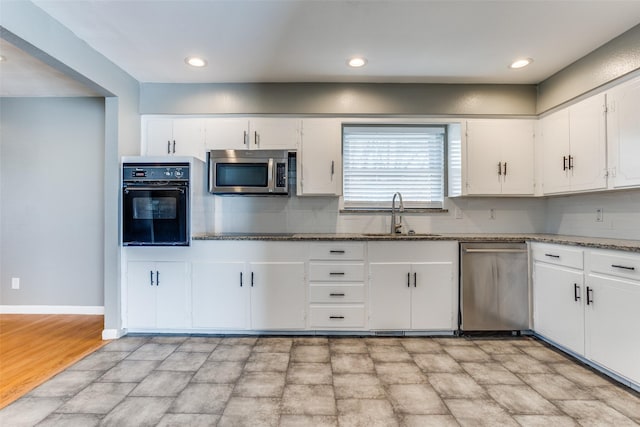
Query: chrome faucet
x,y
396,218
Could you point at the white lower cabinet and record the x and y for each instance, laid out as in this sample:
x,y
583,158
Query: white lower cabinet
x,y
220,296
558,307
337,293
590,307
413,285
277,295
157,295
612,312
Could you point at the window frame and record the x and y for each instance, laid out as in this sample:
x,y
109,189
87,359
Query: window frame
x,y
411,207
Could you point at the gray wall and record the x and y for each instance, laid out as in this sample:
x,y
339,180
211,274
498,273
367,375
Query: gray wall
x,y
41,33
338,99
611,61
52,220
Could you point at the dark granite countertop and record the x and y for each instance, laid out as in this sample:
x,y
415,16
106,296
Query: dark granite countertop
x,y
591,242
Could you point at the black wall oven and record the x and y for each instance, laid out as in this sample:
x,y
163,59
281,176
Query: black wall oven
x,y
155,204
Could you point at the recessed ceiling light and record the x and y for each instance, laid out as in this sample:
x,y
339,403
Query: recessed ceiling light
x,y
357,62
195,61
519,63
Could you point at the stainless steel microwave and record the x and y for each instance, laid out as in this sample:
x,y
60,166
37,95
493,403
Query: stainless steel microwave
x,y
262,172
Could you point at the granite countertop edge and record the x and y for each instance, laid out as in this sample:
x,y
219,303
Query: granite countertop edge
x,y
590,242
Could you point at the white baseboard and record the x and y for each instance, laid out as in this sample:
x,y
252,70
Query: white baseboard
x,y
113,334
52,309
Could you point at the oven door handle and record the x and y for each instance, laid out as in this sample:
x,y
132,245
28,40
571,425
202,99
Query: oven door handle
x,y
180,189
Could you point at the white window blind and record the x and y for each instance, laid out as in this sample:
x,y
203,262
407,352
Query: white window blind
x,y
381,160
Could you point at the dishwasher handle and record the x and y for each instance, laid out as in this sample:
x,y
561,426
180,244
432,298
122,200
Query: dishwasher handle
x,y
494,251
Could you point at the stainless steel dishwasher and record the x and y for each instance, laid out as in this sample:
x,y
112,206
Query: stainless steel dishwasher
x,y
494,287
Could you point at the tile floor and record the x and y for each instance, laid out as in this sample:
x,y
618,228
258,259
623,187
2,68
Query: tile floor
x,y
319,381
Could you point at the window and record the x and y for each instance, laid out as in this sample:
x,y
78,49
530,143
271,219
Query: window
x,y
379,160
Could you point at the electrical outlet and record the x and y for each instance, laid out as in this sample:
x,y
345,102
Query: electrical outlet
x,y
492,214
599,215
458,213
15,283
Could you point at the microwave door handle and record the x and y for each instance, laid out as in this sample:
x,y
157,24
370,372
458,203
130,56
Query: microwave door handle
x,y
270,178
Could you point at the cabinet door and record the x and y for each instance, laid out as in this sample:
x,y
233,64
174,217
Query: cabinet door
x,y
432,296
623,127
141,295
188,137
555,152
556,313
483,157
612,318
517,137
319,157
226,133
172,310
588,144
277,295
159,137
220,295
274,133
390,295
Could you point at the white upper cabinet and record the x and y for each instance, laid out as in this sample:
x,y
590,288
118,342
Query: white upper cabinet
x,y
226,133
252,133
623,134
319,158
574,148
500,157
169,137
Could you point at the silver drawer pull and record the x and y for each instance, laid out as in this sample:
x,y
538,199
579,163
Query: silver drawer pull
x,y
552,255
495,251
336,295
336,251
334,273
336,317
625,267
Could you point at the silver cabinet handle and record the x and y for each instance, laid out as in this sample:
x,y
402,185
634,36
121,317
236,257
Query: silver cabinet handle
x,y
408,280
151,281
157,278
241,279
336,317
570,162
415,280
564,163
255,137
336,295
589,295
496,251
332,251
333,167
244,138
552,255
168,147
624,267
252,279
576,292
174,146
336,273
505,169
499,168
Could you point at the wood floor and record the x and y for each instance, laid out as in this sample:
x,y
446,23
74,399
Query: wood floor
x,y
35,347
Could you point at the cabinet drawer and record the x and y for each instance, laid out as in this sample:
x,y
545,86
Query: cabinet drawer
x,y
336,316
336,294
337,251
336,272
557,254
615,264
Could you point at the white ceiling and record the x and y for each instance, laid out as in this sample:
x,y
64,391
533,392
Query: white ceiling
x,y
429,41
